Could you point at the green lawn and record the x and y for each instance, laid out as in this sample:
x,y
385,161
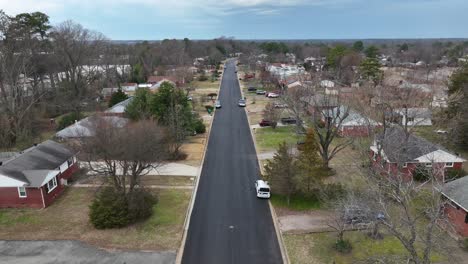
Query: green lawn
x,y
269,139
67,218
318,248
297,202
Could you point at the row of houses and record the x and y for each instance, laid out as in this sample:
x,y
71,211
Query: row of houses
x,y
153,83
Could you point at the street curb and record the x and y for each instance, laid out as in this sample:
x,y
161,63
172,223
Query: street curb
x,y
284,252
180,252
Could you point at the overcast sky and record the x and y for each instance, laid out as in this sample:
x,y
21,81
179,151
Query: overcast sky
x,y
257,19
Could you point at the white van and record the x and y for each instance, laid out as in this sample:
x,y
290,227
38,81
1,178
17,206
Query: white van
x,y
262,188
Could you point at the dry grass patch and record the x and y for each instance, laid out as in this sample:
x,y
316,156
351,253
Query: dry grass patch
x,y
68,218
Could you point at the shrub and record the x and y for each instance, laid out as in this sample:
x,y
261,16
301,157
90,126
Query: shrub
x,y
343,246
465,244
109,209
114,209
332,191
199,126
117,97
140,205
421,174
202,78
68,119
453,174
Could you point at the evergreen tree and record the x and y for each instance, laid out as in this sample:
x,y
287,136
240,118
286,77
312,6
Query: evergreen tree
x,y
139,107
281,172
310,164
117,97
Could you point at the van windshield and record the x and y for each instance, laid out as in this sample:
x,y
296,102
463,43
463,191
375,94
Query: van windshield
x,y
264,190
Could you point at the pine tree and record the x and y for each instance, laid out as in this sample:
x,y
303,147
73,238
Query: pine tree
x,y
310,163
281,172
117,97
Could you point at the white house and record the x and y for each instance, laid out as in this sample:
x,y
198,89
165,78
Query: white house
x,y
415,116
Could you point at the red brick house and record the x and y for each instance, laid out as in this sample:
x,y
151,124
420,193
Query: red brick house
x,y
456,208
397,152
36,176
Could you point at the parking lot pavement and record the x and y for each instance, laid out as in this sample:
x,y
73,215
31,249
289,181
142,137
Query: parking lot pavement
x,y
68,251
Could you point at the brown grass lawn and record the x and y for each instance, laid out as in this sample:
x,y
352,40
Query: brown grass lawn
x,y
149,180
67,218
194,148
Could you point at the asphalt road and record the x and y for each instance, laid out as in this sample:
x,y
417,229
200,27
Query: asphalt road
x,y
229,224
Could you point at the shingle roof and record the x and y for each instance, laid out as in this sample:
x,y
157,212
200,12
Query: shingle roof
x,y
398,149
48,155
457,191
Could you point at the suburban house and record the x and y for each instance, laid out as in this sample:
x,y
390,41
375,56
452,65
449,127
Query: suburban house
x,y
456,208
36,176
129,88
396,151
107,92
414,116
86,126
352,125
159,79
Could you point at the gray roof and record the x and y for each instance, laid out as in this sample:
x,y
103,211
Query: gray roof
x,y
457,191
85,127
398,149
120,107
46,156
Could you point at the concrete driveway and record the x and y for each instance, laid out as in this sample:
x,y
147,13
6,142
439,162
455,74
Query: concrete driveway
x,y
67,251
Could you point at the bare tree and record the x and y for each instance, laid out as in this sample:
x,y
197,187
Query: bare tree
x,y
124,154
272,114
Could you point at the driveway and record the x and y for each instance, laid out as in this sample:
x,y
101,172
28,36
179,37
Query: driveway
x,y
310,222
68,251
229,224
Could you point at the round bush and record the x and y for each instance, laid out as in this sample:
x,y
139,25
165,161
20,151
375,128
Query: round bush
x,y
140,205
68,119
199,127
109,210
343,246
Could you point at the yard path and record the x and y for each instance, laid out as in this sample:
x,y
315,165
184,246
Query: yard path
x,y
69,251
169,169
83,185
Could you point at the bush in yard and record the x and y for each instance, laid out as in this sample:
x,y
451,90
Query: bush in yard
x,y
465,244
198,126
140,205
421,174
109,209
343,246
202,78
68,119
453,174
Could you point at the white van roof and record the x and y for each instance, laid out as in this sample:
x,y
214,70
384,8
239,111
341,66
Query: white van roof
x,y
262,184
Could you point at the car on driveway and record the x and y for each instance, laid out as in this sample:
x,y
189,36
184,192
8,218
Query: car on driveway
x,y
252,89
288,120
261,92
265,123
280,105
262,188
272,95
218,104
241,103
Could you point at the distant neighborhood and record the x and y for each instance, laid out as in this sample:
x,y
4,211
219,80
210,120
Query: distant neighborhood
x,y
346,151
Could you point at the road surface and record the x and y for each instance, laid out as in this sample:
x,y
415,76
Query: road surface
x,y
228,223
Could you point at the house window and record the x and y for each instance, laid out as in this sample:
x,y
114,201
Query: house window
x,y
449,164
51,185
410,119
22,192
466,218
429,165
405,165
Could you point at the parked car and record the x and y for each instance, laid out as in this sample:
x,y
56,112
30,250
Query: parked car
x,y
272,95
218,104
252,89
265,123
241,103
288,120
262,189
260,92
280,105
189,98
